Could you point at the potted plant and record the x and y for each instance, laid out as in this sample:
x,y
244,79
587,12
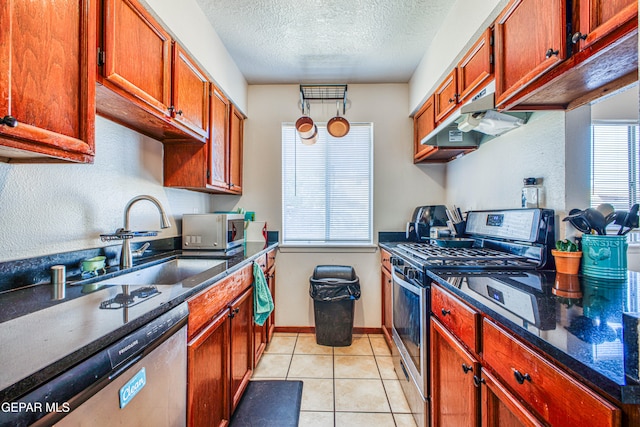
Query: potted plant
x,y
567,257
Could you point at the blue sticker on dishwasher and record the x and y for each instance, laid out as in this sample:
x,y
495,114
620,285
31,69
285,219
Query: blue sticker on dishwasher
x,y
132,387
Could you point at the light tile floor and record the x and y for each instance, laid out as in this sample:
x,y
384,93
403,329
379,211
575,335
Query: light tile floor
x,y
343,386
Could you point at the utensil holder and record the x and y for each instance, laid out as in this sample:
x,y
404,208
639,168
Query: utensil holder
x,y
604,256
460,228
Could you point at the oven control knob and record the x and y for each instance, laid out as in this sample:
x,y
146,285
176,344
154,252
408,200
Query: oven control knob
x,y
411,273
397,261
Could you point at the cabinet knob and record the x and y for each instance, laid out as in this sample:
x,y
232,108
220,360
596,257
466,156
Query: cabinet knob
x,y
521,378
454,99
577,37
477,381
445,312
172,110
9,121
551,52
466,368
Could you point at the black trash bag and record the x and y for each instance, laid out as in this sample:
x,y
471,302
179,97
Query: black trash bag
x,y
334,283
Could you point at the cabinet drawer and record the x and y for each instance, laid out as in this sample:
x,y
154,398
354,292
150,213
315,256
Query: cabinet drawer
x,y
456,316
557,398
385,259
204,306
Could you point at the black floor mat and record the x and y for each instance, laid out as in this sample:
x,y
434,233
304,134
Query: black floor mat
x,y
269,404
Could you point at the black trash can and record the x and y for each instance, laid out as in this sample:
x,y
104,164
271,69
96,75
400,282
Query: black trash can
x,y
334,289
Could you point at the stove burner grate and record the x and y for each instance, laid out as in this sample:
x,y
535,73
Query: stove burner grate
x,y
483,258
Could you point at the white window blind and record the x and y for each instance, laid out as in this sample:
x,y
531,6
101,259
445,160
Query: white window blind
x,y
327,187
614,166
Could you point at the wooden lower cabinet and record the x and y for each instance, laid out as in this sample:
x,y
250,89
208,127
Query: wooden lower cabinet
x,y
220,349
454,394
241,345
262,335
387,308
208,374
500,408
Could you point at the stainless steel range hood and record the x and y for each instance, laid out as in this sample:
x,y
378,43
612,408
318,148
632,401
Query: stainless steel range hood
x,y
475,122
480,116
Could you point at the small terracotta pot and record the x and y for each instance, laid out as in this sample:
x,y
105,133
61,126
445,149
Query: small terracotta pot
x,y
567,262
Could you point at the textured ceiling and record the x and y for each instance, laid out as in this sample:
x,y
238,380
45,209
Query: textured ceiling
x,y
326,41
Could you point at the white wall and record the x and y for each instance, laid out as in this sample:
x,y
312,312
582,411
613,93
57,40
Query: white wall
x,y
398,187
52,208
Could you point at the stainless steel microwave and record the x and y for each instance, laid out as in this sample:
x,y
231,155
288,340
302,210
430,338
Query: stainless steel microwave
x,y
212,231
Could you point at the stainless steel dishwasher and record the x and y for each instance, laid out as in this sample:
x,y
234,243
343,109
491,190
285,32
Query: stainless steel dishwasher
x,y
140,380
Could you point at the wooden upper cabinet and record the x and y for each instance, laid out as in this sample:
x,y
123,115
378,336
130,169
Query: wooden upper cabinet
x,y
137,54
190,105
47,80
476,67
423,123
236,130
446,96
530,39
219,141
144,82
599,18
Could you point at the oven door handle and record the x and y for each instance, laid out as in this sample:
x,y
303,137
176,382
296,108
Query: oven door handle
x,y
405,284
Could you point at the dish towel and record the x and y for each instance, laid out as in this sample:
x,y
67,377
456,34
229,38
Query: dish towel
x,y
262,301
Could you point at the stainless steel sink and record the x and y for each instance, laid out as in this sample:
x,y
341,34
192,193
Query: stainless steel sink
x,y
167,273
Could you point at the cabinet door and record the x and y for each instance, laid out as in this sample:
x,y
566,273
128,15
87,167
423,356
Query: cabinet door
x,y
219,140
47,79
190,94
271,321
241,345
387,308
597,18
208,374
454,395
423,123
476,67
446,96
235,151
553,394
530,39
500,408
137,54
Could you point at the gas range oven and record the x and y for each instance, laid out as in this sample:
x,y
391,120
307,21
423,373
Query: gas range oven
x,y
511,244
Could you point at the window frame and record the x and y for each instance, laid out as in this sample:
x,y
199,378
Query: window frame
x,y
328,244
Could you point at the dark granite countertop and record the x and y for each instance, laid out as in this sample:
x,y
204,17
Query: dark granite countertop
x,y
575,321
41,337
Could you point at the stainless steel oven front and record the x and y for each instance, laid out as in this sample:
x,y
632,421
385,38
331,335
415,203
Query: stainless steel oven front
x,y
410,320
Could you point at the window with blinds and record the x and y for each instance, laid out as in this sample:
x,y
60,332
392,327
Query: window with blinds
x,y
614,165
614,168
327,187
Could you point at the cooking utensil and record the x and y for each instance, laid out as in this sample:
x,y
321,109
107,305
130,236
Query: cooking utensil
x,y
630,221
596,221
577,219
605,209
338,126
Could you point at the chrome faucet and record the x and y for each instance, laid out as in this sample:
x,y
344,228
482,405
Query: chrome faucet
x,y
126,256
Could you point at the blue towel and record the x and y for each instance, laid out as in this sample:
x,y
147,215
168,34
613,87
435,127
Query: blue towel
x,y
262,301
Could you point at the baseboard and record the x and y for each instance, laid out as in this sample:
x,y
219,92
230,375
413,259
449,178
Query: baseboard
x,y
312,330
